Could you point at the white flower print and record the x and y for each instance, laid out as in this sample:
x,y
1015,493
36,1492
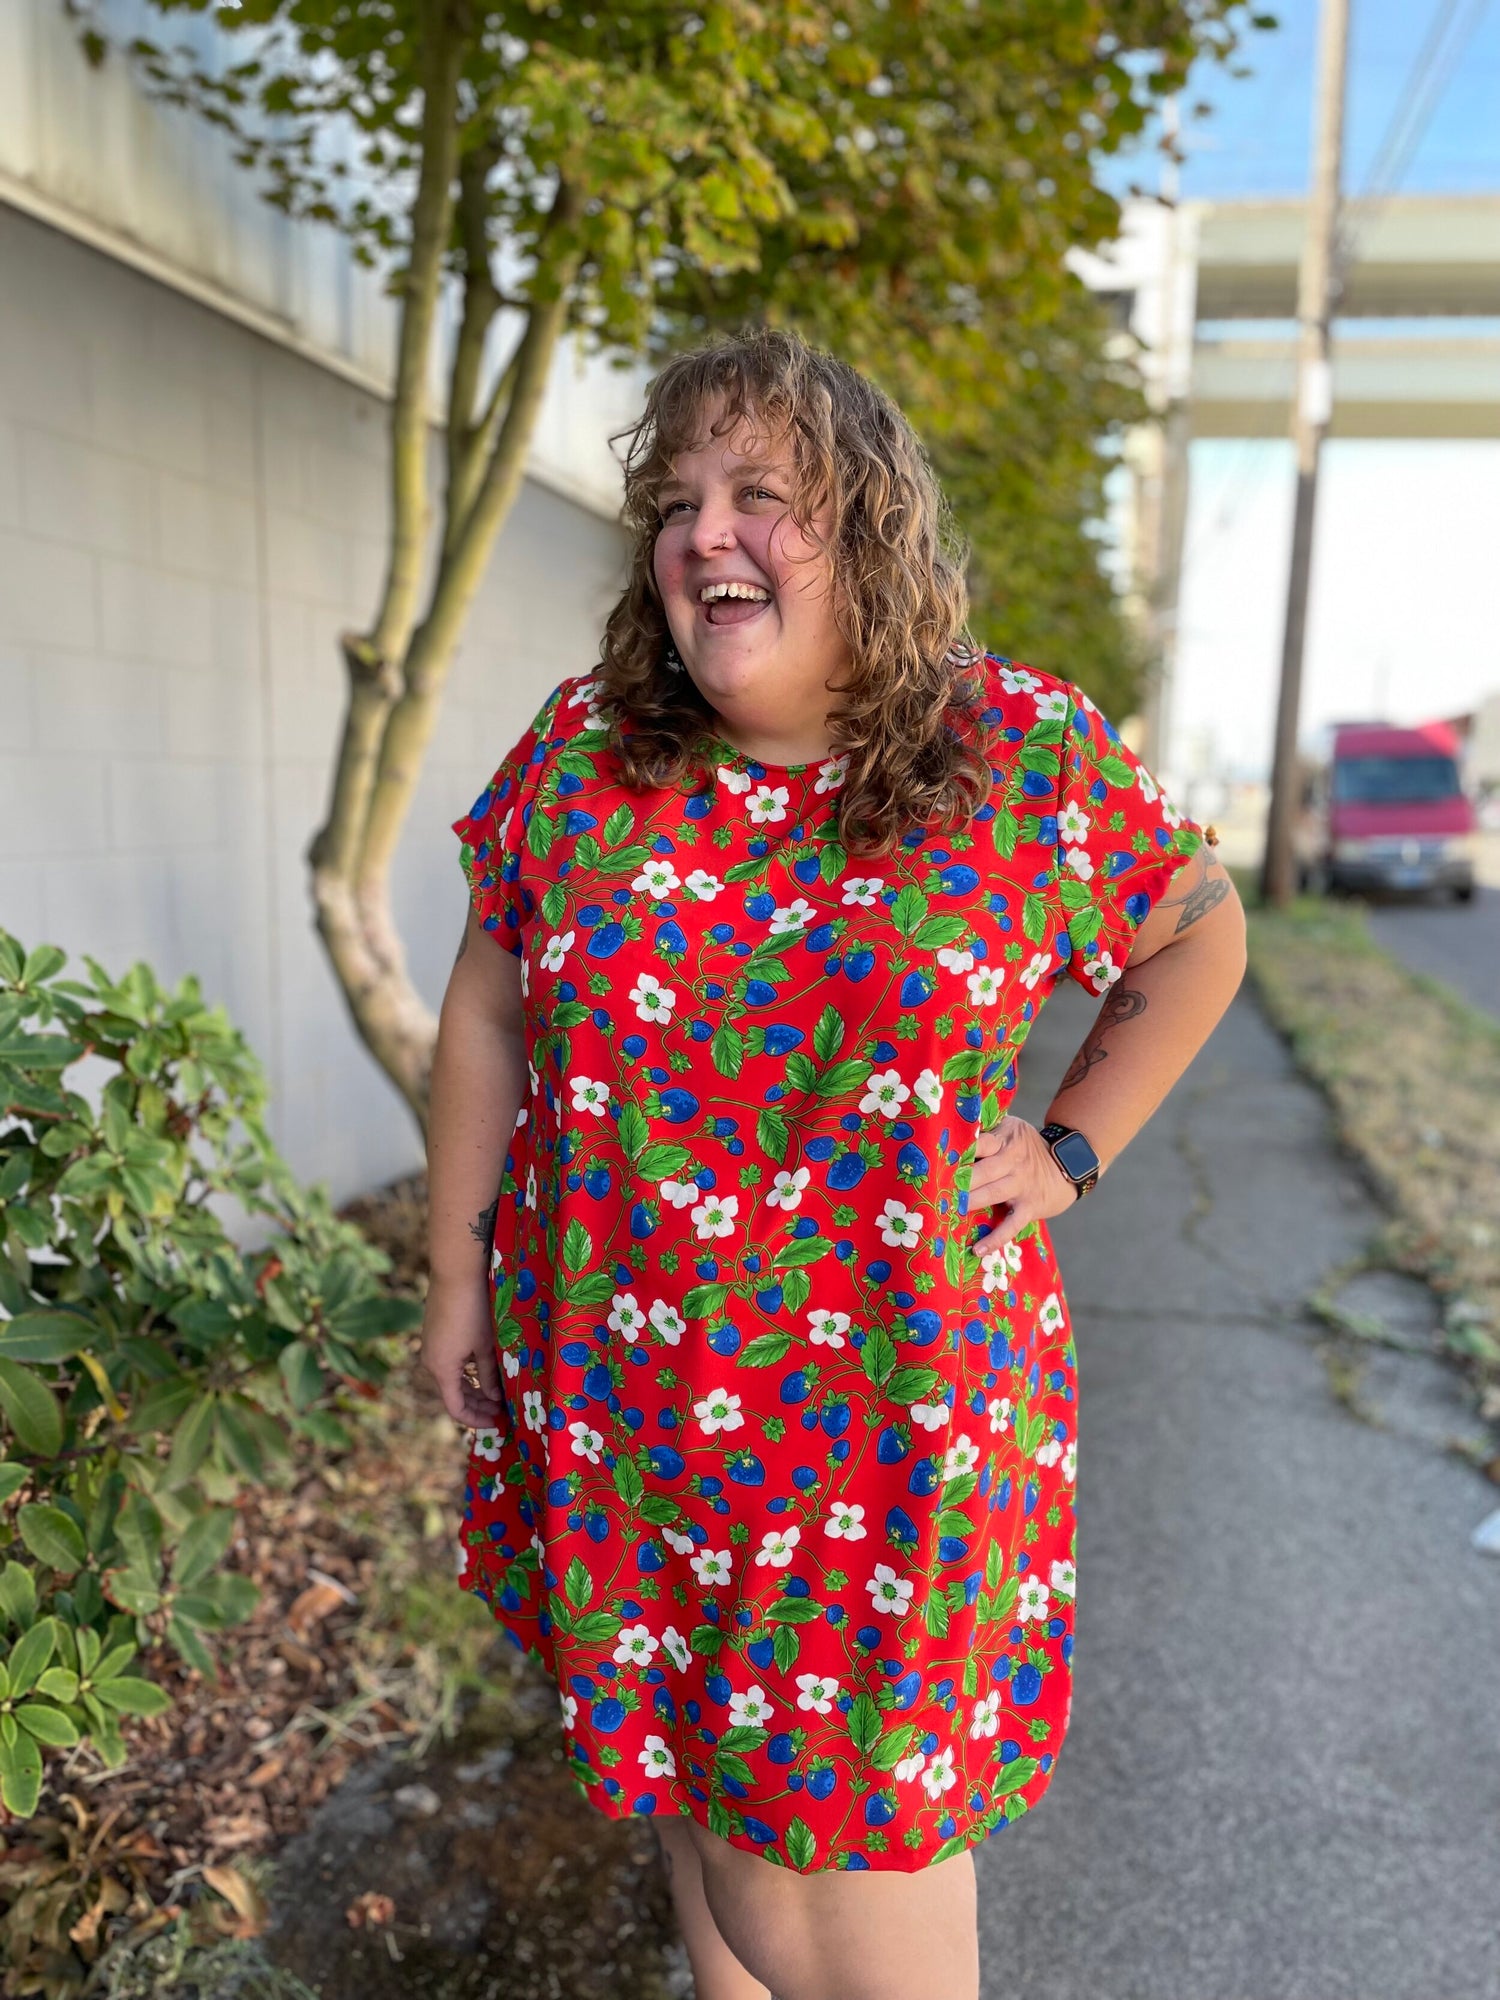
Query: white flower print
x,y
587,1442
1080,861
1050,1452
656,1759
676,1648
792,917
1002,1409
657,879
1016,680
682,1545
1052,706
1037,970
1170,813
862,890
534,1410
1073,823
931,1416
827,1329
910,1767
531,1186
525,978
635,1646
777,1547
679,1193
954,959
653,1001
832,774
818,1692
590,1096
890,1593
711,1567
1070,1461
899,1225
1031,1599
786,1190
1050,1318
625,1316
846,1522
1103,971
885,1093
750,1710
558,946
999,1265
583,695
1063,1577
1149,789
668,1322
737,782
986,1716
569,1710
486,1446
702,886
961,1456
928,1091
767,804
940,1775
984,987
715,1214
511,1362
719,1410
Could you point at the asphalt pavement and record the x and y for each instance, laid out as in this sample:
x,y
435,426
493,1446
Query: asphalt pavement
x,y
1282,1775
1458,943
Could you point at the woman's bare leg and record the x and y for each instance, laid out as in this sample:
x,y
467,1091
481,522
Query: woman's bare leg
x,y
844,1934
717,1973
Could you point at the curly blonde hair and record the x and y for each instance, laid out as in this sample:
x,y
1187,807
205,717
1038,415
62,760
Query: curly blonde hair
x,y
908,719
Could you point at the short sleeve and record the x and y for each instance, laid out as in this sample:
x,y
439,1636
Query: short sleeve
x,y
493,833
1120,842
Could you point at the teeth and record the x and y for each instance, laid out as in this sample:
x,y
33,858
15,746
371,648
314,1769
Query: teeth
x,y
752,592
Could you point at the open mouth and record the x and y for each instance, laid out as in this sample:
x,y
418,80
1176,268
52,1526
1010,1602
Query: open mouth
x,y
732,604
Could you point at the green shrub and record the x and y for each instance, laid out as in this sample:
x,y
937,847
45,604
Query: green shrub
x,y
149,1366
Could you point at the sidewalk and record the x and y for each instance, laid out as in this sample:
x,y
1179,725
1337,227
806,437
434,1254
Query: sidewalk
x,y
1282,1776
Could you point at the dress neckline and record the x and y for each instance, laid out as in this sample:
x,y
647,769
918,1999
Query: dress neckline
x,y
731,755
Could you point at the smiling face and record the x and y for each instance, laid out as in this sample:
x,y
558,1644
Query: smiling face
x,y
749,594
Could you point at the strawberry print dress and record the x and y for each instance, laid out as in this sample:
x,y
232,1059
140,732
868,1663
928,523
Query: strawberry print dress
x,y
783,1498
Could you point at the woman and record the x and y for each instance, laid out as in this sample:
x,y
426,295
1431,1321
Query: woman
x,y
773,1386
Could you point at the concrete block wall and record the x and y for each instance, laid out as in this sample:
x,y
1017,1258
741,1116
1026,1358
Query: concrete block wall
x,y
189,516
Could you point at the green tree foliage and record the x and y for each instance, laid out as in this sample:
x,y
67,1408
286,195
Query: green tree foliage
x,y
148,1366
898,178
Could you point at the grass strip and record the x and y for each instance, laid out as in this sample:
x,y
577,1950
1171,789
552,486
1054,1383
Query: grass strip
x,y
1413,1076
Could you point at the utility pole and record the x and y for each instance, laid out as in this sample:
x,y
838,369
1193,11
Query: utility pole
x,y
1311,408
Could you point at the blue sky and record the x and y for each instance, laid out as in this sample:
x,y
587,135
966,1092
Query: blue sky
x,y
1405,608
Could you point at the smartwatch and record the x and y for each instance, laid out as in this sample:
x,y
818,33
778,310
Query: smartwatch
x,y
1074,1155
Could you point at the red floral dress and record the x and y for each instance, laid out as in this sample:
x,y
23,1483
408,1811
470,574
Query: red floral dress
x,y
783,1498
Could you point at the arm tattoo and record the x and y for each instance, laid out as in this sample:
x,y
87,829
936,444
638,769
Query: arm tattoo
x,y
1206,890
1121,1003
482,1228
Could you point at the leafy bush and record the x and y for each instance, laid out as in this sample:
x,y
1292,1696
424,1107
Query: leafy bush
x,y
149,1366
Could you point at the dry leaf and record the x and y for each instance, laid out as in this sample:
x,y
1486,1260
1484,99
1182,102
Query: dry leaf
x,y
312,1606
242,1895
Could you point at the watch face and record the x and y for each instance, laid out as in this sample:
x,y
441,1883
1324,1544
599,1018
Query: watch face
x,y
1075,1156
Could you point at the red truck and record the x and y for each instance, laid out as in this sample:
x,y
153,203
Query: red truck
x,y
1388,811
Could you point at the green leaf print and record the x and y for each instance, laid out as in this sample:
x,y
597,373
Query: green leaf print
x,y
1034,918
935,1615
706,1639
949,1849
1115,771
959,1488
1084,928
828,1035
619,825
953,1521
967,1063
892,1747
938,931
577,1247
595,1288
742,1738
539,832
703,1301
659,1508
596,1628
727,1050
1036,757
765,1350
1074,895
971,1676
801,1250
796,1290
795,1611
864,1723
994,1566
1018,1772
628,1481
1007,833
570,1014
786,1647
624,861
912,1385
554,903
661,1161
575,764
801,1845
578,1585
801,1072
843,1077
878,1355
635,1132
773,1134
908,910
720,1819
831,861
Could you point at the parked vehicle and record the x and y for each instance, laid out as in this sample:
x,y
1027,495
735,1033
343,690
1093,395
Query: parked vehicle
x,y
1388,811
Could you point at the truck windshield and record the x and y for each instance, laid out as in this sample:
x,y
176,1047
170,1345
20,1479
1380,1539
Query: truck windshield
x,y
1389,781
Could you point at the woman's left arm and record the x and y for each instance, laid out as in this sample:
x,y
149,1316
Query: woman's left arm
x,y
1184,967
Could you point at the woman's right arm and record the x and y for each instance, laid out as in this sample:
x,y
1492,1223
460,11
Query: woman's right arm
x,y
479,1085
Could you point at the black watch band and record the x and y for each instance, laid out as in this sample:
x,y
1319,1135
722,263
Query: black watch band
x,y
1075,1157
